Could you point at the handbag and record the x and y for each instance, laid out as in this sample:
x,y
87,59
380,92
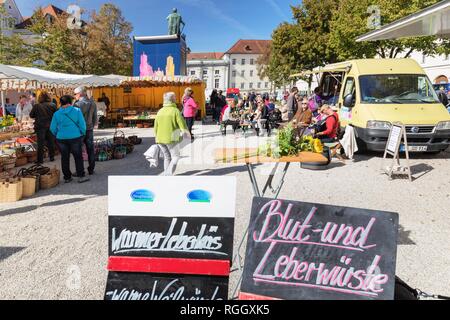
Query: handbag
x,y
76,124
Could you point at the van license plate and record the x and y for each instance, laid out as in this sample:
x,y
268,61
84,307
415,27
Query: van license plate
x,y
415,148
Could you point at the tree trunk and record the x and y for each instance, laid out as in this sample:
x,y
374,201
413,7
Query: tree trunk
x,y
408,54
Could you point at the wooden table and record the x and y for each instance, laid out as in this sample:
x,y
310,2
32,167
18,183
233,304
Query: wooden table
x,y
135,119
16,134
250,157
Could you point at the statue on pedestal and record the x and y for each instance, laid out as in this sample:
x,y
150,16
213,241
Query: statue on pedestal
x,y
175,21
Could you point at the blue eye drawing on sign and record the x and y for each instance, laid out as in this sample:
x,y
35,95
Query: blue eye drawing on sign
x,y
142,196
199,196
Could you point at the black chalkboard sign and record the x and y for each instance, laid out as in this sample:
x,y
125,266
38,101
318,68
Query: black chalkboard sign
x,y
307,251
147,286
171,237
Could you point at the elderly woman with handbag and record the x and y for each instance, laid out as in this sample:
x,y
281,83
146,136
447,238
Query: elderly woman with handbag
x,y
169,127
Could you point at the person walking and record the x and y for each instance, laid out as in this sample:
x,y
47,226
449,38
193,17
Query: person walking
x,y
169,127
69,128
221,102
212,104
89,110
42,113
190,108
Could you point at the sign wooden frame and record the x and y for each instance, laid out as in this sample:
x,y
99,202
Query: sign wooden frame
x,y
396,135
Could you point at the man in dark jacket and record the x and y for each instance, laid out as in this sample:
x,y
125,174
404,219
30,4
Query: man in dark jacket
x,y
42,113
221,102
89,110
443,96
292,103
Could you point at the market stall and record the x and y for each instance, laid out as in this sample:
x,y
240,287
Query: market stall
x,y
136,100
18,177
26,79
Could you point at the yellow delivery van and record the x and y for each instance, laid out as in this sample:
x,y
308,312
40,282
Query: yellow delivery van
x,y
371,94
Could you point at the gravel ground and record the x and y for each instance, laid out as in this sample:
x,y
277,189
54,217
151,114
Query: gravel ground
x,y
54,245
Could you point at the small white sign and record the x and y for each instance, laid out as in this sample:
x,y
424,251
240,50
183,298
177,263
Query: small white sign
x,y
159,196
394,139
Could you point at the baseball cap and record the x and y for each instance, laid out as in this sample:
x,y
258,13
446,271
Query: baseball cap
x,y
79,90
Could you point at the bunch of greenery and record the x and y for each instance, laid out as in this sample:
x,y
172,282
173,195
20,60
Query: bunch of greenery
x,y
287,143
7,121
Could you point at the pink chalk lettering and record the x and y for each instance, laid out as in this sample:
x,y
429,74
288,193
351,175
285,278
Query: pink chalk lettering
x,y
273,207
262,263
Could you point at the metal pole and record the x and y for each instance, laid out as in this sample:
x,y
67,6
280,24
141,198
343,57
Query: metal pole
x,y
3,103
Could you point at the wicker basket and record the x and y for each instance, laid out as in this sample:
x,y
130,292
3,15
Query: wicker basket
x,y
11,191
130,148
119,137
50,180
31,156
120,152
30,183
21,161
9,163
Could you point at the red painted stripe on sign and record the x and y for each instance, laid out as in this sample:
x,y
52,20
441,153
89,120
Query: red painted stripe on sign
x,y
250,296
169,265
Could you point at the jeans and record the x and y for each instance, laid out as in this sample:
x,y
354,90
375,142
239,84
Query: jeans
x,y
325,139
45,137
67,147
190,124
171,154
89,142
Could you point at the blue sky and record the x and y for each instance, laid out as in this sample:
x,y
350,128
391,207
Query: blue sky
x,y
211,25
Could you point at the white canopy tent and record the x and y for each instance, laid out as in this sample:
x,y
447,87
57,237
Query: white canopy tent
x,y
25,78
434,20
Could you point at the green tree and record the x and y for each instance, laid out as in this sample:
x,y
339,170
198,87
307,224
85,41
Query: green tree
x,y
14,51
109,44
55,47
351,18
302,45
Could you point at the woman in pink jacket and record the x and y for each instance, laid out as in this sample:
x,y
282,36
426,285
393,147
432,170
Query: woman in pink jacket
x,y
189,109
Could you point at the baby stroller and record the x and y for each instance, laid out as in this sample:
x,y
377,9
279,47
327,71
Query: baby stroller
x,y
273,121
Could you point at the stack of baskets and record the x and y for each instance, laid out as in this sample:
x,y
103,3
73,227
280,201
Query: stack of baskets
x,y
116,148
8,162
24,184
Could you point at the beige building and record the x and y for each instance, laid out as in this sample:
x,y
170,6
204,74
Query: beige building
x,y
211,68
236,68
243,67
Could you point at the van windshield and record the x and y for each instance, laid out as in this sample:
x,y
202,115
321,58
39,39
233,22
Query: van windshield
x,y
398,88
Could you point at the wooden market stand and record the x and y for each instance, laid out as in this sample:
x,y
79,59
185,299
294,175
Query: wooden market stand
x,y
137,100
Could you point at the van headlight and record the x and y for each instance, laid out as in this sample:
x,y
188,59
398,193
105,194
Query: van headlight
x,y
444,125
381,125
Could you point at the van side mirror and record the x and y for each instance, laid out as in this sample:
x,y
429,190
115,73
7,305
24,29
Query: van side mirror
x,y
349,101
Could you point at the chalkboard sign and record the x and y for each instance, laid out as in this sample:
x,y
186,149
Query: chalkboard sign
x,y
306,251
176,232
185,237
147,286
